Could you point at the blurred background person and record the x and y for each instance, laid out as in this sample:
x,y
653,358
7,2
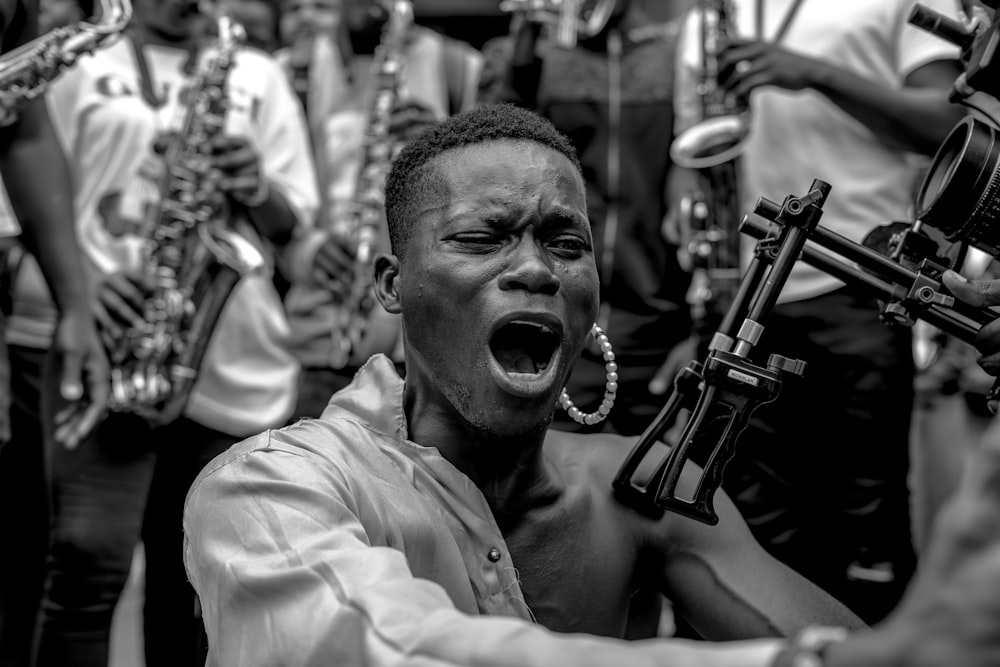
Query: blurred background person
x,y
849,94
36,215
439,77
113,112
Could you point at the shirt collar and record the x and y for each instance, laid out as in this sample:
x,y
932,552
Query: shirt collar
x,y
374,397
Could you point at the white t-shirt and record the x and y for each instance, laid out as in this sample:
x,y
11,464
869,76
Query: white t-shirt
x,y
248,378
800,136
8,223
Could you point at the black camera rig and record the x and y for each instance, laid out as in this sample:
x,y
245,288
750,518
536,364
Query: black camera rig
x,y
901,264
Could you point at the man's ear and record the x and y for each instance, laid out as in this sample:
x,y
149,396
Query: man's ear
x,y
385,275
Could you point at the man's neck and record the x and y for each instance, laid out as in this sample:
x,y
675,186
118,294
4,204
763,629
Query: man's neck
x,y
510,471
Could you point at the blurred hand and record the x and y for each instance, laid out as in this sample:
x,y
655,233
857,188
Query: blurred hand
x,y
982,293
119,304
680,356
745,66
237,169
333,266
410,118
84,379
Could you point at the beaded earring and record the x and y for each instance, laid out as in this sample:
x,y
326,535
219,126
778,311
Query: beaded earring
x,y
610,385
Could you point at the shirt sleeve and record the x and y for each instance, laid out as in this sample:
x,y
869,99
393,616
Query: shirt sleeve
x,y
917,47
286,576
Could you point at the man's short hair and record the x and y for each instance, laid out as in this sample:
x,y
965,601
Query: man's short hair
x,y
408,176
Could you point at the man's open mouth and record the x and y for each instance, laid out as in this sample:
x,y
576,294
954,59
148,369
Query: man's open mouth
x,y
524,347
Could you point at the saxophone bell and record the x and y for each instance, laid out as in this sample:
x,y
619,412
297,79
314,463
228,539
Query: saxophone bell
x,y
711,142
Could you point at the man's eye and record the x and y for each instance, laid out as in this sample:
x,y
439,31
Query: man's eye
x,y
479,240
569,246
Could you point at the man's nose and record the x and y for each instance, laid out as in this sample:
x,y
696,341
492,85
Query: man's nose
x,y
530,270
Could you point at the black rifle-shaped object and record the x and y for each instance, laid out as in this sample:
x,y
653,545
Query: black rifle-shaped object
x,y
723,390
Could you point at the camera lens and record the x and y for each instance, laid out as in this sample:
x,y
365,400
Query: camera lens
x,y
960,194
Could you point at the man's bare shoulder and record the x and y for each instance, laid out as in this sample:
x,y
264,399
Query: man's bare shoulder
x,y
601,453
593,461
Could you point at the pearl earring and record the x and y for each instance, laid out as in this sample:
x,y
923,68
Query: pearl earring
x,y
610,385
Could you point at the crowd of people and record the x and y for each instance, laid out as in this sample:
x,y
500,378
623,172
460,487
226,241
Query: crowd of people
x,y
440,491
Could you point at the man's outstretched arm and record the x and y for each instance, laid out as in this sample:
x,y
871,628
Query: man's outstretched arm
x,y
727,586
287,575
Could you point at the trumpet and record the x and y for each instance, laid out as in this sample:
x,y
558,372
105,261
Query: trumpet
x,y
27,71
569,19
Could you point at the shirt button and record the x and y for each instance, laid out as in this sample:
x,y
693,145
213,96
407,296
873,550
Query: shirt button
x,y
493,555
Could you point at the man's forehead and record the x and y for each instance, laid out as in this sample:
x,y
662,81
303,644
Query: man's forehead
x,y
498,153
492,171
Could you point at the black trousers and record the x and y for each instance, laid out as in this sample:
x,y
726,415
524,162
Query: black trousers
x,y
821,474
24,510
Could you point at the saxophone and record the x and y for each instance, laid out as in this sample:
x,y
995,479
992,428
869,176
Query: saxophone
x,y
711,214
365,212
193,259
27,71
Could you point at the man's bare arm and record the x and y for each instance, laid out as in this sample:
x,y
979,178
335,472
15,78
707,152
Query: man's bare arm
x,y
38,184
37,179
728,587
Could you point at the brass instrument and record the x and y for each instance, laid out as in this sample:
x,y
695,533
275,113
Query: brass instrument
x,y
352,317
568,19
194,260
710,216
720,135
27,71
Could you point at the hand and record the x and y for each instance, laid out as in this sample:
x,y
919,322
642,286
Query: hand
x,y
237,170
980,293
120,300
410,118
84,379
745,66
683,354
333,266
